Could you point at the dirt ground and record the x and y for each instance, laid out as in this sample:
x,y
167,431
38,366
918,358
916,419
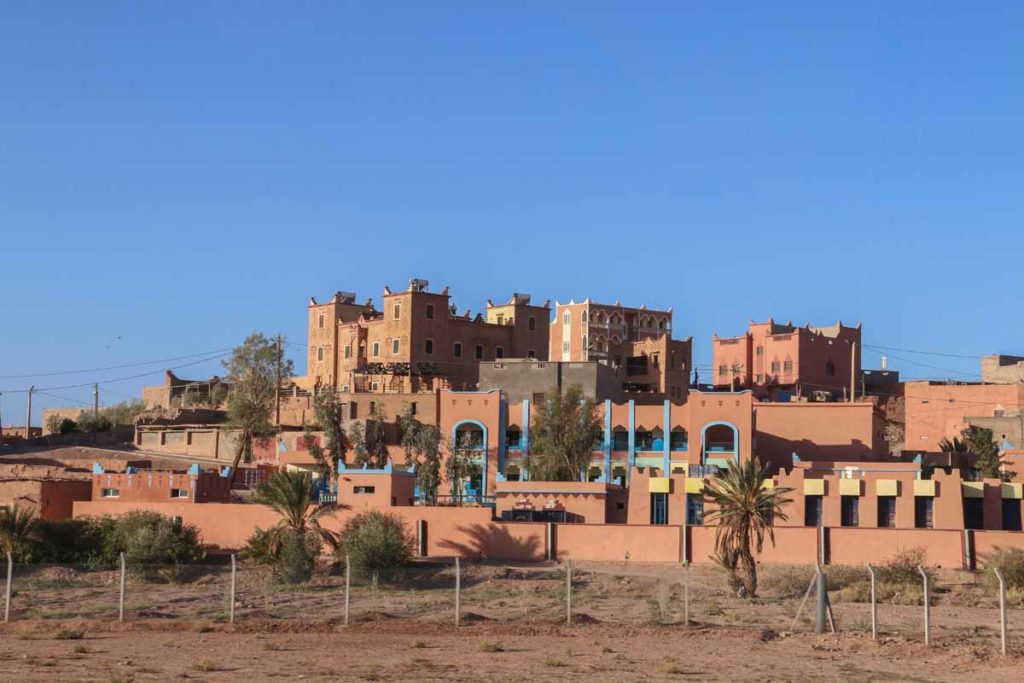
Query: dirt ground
x,y
405,651
629,625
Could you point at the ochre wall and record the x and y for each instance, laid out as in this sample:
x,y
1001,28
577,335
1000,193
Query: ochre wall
x,y
618,542
855,546
797,545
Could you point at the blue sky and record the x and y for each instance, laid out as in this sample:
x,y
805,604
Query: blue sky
x,y
175,175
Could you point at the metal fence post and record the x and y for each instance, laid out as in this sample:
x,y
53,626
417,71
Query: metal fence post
x,y
819,623
927,608
458,589
348,586
874,603
686,593
568,592
10,577
231,605
1002,610
120,601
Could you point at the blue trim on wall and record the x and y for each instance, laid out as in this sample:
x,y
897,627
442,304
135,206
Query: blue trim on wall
x,y
606,446
523,474
666,469
455,441
502,428
735,439
632,440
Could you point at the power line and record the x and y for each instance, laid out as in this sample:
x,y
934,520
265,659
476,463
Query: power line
x,y
113,367
116,379
922,353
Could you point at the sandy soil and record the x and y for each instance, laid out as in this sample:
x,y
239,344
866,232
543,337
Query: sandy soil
x,y
404,651
629,626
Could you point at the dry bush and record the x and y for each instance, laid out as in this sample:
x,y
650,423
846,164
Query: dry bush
x,y
903,567
1010,561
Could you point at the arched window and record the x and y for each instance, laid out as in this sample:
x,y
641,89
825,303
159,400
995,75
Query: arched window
x,y
679,440
643,439
469,436
663,324
513,437
620,439
720,438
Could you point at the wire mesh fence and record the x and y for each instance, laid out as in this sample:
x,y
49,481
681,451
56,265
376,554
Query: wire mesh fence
x,y
962,605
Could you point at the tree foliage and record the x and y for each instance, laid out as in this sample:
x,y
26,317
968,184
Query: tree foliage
x,y
327,410
462,466
422,445
565,432
376,543
369,441
17,528
745,511
980,442
125,412
252,372
294,543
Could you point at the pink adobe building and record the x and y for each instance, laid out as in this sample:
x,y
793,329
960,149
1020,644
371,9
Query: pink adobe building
x,y
940,410
781,361
710,429
417,342
637,342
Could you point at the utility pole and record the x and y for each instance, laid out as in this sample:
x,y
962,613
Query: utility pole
x,y
28,418
96,401
277,386
853,371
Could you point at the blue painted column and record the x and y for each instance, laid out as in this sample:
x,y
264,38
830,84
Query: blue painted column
x,y
502,420
667,437
632,441
526,440
606,445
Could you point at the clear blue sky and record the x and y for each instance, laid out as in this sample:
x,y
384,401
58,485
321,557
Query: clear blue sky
x,y
177,175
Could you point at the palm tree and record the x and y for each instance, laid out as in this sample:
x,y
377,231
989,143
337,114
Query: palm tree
x,y
745,511
17,525
293,496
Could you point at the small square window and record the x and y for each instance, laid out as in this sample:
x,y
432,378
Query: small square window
x,y
320,321
479,351
320,354
531,354
110,493
428,347
179,493
430,311
396,345
348,351
376,349
397,310
457,350
499,352
531,323
364,489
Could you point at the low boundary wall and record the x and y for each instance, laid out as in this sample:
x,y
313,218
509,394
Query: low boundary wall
x,y
472,533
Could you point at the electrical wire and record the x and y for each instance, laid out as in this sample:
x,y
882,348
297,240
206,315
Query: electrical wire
x,y
113,367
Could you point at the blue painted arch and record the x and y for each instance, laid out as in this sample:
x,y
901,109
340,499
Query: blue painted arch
x,y
484,449
704,435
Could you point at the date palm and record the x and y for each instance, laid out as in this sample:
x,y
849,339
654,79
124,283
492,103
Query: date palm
x,y
293,495
17,526
746,511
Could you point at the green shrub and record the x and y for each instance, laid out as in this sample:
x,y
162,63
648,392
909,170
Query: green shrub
x,y
88,541
89,423
376,543
1010,561
155,545
292,555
